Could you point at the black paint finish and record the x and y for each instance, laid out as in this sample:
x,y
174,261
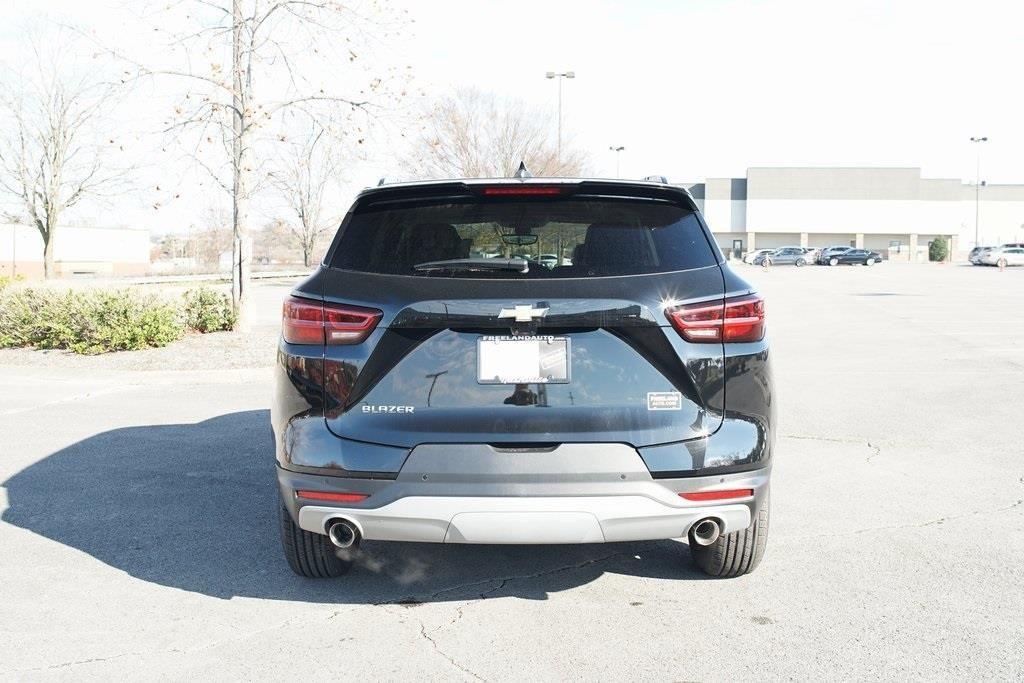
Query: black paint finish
x,y
422,358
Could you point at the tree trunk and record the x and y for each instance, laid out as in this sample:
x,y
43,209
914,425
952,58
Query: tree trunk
x,y
242,171
48,244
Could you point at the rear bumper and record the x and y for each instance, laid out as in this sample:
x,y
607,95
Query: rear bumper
x,y
576,493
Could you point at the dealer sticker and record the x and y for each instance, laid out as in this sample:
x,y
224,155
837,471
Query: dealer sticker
x,y
664,400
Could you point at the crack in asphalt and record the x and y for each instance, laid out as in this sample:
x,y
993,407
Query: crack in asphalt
x,y
64,665
830,439
451,660
501,583
172,650
918,525
875,450
942,520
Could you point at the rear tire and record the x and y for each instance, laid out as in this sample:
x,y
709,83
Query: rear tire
x,y
1001,263
833,262
800,263
311,555
766,263
869,262
737,553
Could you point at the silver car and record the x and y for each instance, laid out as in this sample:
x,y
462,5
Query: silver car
x,y
751,255
796,256
1006,256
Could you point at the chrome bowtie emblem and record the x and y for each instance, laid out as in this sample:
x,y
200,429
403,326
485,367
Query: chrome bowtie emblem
x,y
523,314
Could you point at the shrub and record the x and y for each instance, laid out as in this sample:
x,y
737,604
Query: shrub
x,y
122,320
6,280
208,311
31,317
87,322
938,249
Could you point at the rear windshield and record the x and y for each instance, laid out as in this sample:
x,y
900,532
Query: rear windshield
x,y
543,238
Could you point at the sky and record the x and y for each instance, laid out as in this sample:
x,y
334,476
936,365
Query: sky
x,y
691,89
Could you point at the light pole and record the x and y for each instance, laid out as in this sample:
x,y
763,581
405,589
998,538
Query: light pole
x,y
559,76
977,185
617,150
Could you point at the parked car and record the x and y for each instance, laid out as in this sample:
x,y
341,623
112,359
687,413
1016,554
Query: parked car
x,y
852,257
786,256
426,395
751,255
1008,256
825,255
977,253
548,260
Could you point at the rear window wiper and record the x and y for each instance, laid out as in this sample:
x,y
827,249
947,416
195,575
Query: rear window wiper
x,y
478,264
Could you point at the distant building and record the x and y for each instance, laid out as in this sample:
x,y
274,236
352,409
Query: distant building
x,y
78,251
891,210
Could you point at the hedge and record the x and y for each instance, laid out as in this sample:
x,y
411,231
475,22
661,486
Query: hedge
x,y
98,321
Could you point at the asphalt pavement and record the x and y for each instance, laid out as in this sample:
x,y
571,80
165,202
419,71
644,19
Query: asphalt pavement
x,y
139,535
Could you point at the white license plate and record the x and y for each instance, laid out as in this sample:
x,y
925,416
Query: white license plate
x,y
522,360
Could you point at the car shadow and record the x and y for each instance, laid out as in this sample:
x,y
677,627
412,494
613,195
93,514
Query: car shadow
x,y
193,506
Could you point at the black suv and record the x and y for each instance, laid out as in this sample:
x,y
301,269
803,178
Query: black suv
x,y
523,361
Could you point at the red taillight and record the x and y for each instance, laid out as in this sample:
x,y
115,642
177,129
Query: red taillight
x,y
512,190
718,495
739,319
315,322
303,321
332,497
349,324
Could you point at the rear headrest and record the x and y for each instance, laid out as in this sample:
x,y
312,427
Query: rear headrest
x,y
430,242
614,248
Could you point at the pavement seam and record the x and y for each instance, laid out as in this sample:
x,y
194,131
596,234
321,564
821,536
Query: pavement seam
x,y
96,393
918,525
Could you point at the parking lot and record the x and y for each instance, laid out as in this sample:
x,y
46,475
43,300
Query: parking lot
x,y
139,529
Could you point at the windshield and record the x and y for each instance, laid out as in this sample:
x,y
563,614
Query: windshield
x,y
560,238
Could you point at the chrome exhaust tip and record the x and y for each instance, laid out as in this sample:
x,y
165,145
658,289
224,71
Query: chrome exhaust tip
x,y
343,533
705,532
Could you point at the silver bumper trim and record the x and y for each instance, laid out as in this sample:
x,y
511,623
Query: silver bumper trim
x,y
528,519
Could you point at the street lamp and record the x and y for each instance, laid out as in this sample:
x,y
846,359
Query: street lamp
x,y
977,185
616,150
566,74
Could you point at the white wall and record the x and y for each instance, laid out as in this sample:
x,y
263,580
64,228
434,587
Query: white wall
x,y
1000,221
74,244
853,216
725,215
21,240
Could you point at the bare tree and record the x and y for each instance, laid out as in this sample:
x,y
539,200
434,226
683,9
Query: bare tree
x,y
267,41
474,134
308,169
51,155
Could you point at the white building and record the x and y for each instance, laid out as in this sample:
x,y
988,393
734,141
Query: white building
x,y
77,251
891,210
